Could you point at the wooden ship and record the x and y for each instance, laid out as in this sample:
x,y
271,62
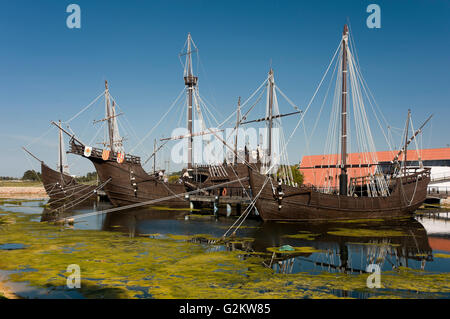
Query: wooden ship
x,y
235,171
125,181
376,195
58,184
195,176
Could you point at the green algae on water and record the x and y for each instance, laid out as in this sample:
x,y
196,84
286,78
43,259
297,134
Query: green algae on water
x,y
439,255
361,232
376,244
362,220
302,235
306,249
113,265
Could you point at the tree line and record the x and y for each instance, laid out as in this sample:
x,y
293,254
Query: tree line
x,y
32,175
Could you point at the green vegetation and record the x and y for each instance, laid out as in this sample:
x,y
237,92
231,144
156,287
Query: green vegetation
x,y
296,174
362,220
20,183
115,265
360,232
174,178
32,175
89,177
303,235
7,178
441,255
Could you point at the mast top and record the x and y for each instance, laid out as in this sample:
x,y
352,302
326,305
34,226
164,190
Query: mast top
x,y
271,78
189,79
345,33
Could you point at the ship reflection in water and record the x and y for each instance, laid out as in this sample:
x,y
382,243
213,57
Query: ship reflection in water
x,y
348,246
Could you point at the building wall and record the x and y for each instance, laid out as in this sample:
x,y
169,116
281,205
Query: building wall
x,y
330,176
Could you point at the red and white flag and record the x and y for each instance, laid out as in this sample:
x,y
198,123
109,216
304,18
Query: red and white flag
x,y
87,151
120,157
105,155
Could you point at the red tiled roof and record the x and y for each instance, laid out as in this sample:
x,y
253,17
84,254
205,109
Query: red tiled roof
x,y
320,176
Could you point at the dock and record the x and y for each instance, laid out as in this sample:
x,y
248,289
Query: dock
x,y
235,197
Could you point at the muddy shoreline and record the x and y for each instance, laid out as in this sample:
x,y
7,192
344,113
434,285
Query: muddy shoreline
x,y
24,192
6,292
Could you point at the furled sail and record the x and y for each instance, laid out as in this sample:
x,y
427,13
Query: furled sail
x,y
63,167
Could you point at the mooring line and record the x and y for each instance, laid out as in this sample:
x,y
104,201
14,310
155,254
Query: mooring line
x,y
246,212
83,197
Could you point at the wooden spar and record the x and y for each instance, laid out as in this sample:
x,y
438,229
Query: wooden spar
x,y
406,141
340,166
273,117
245,161
189,135
60,150
35,157
270,122
72,136
343,182
154,153
412,138
109,116
190,81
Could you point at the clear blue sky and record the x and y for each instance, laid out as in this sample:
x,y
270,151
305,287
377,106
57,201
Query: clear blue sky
x,y
49,72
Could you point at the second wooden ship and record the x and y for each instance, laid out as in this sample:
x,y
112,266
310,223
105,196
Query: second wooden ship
x,y
376,195
59,185
125,181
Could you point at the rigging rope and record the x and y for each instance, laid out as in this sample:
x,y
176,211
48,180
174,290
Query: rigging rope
x,y
85,108
159,122
150,202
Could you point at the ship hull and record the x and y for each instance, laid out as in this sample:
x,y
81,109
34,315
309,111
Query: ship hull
x,y
128,183
304,203
209,176
59,186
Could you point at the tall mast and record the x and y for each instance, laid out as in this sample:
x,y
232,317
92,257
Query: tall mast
x,y
270,124
343,177
238,118
61,168
154,156
190,81
109,116
406,141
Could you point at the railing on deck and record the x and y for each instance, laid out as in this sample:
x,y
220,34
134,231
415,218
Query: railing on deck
x,y
97,153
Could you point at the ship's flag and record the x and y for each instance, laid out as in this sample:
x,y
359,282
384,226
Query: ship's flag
x,y
105,155
87,151
120,157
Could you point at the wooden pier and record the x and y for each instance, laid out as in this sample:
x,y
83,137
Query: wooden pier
x,y
229,196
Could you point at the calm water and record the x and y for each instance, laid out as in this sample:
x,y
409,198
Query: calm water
x,y
344,246
422,237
